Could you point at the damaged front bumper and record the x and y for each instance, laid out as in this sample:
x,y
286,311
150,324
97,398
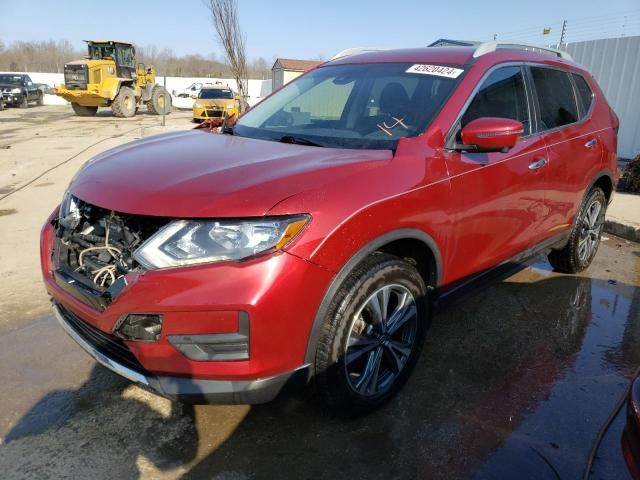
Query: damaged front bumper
x,y
105,352
201,308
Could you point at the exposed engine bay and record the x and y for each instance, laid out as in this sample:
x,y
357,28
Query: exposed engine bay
x,y
98,244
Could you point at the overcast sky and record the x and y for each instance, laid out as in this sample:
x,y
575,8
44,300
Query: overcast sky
x,y
308,29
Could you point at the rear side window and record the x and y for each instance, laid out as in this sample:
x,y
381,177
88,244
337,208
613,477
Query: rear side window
x,y
502,95
584,92
555,97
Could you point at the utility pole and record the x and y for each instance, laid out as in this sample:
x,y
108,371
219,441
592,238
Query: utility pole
x,y
564,31
164,104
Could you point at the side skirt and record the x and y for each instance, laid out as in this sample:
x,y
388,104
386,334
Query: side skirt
x,y
473,284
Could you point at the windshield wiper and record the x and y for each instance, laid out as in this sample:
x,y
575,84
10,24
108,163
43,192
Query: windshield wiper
x,y
299,141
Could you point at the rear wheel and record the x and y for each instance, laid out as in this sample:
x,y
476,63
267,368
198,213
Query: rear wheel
x,y
160,101
83,111
584,240
372,335
124,105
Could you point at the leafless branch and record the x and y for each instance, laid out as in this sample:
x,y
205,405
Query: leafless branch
x,y
224,17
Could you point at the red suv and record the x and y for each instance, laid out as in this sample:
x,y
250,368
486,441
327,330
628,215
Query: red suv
x,y
310,241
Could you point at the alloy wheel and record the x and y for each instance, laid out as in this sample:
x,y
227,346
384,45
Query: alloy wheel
x,y
381,339
590,231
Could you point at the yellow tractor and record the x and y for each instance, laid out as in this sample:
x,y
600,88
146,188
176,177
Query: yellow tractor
x,y
110,77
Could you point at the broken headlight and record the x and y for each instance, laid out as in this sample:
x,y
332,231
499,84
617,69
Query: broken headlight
x,y
187,242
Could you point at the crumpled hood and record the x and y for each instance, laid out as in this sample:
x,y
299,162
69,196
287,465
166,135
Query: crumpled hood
x,y
199,174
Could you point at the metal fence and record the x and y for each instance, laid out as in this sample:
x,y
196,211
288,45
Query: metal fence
x,y
615,64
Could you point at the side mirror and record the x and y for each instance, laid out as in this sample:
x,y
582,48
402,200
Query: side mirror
x,y
490,134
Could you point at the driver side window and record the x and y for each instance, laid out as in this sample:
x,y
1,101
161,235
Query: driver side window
x,y
502,94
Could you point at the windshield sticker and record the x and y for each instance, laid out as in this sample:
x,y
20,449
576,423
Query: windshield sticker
x,y
437,70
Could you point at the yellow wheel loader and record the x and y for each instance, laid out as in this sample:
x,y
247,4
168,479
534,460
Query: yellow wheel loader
x,y
110,77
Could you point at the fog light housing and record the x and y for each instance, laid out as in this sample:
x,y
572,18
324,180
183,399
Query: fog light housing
x,y
216,347
144,327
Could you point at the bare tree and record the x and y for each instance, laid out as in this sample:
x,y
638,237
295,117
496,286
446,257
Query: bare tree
x,y
50,56
224,17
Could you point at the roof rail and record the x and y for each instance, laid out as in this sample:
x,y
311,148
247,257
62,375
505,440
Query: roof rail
x,y
488,47
356,51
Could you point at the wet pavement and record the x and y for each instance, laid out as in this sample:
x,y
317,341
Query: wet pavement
x,y
514,382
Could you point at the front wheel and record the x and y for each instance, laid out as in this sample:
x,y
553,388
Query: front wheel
x,y
24,103
40,100
124,105
585,236
372,335
83,111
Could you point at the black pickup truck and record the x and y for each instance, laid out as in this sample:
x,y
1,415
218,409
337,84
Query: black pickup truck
x,y
17,89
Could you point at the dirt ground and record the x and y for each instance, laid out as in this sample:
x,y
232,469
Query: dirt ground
x,y
514,382
41,148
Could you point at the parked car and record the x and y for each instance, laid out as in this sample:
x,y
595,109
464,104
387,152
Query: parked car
x,y
631,434
45,88
215,102
18,90
312,241
191,90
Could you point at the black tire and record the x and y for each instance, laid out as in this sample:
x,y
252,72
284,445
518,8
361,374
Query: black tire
x,y
124,105
40,100
82,111
349,324
1,104
24,103
584,240
160,99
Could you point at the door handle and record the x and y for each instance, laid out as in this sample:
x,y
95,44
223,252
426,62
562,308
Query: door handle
x,y
591,143
538,164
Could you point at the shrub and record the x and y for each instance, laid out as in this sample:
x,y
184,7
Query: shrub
x,y
630,179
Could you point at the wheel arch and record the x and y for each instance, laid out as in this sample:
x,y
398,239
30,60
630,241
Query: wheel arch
x,y
604,180
123,83
410,243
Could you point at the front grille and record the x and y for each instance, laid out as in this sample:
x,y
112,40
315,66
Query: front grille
x,y
215,113
75,77
109,345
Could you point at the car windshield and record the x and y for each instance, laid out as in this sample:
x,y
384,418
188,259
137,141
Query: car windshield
x,y
352,106
12,79
209,93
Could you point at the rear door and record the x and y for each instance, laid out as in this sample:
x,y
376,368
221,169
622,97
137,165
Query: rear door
x,y
499,197
574,152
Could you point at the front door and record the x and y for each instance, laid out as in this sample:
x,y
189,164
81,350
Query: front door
x,y
499,197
